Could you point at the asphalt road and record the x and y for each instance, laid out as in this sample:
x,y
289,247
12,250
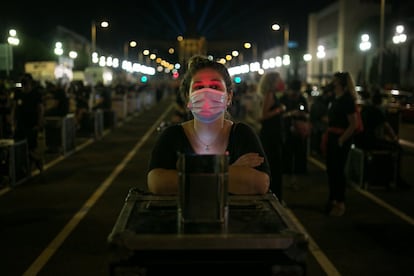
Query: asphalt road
x,y
57,222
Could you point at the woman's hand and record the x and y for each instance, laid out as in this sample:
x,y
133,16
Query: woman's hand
x,y
251,159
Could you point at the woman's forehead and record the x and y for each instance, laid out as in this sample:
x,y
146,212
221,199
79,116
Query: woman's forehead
x,y
207,75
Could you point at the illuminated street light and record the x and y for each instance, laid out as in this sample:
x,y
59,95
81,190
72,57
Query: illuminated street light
x,y
253,46
364,46
103,24
73,54
58,49
307,57
320,54
12,40
399,36
127,44
277,27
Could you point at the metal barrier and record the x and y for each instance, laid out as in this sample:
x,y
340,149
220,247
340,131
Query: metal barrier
x,y
14,162
92,124
60,133
119,105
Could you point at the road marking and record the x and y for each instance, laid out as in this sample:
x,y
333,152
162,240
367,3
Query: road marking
x,y
314,248
387,206
372,197
406,143
5,190
318,254
50,250
58,160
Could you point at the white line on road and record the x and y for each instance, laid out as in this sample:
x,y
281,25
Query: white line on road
x,y
50,250
372,197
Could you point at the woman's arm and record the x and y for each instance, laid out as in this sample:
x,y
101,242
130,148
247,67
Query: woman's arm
x,y
352,120
162,176
162,181
242,179
247,180
390,132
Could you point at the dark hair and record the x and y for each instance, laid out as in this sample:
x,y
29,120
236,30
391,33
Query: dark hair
x,y
26,79
342,78
197,63
346,81
376,97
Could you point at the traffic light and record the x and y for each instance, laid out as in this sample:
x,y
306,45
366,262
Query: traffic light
x,y
237,80
144,79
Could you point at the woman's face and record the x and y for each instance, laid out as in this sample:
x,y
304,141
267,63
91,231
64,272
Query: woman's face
x,y
207,78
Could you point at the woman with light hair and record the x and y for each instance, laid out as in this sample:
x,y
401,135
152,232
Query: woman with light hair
x,y
342,123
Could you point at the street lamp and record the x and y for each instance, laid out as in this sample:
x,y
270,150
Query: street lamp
x,y
127,44
103,24
235,54
248,45
320,54
364,46
277,27
398,38
73,54
12,40
58,48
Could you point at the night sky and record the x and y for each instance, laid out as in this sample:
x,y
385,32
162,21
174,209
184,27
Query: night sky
x,y
151,21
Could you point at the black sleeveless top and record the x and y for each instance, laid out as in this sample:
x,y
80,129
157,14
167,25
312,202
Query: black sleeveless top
x,y
173,141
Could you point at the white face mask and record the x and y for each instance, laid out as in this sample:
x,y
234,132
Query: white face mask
x,y
207,104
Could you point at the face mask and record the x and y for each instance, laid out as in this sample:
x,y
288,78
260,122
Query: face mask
x,y
207,104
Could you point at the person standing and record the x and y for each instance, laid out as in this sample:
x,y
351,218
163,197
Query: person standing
x,y
378,134
29,117
296,129
271,87
318,116
342,122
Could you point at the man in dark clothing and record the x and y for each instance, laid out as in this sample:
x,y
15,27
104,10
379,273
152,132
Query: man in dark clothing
x,y
29,116
378,133
6,113
295,142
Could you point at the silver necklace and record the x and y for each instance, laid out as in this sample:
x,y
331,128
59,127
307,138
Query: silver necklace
x,y
206,146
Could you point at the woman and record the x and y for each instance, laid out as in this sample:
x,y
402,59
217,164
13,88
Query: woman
x,y
271,88
342,122
207,87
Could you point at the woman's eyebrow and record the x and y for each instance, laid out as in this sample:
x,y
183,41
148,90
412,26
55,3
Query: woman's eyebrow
x,y
207,81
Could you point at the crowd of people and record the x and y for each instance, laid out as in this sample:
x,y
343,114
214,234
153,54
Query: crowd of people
x,y
268,128
26,103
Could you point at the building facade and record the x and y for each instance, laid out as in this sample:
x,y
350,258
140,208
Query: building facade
x,y
334,37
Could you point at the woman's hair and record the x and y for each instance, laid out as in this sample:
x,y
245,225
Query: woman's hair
x,y
268,82
197,63
347,83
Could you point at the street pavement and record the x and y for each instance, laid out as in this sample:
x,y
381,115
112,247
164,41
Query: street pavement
x,y
58,221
